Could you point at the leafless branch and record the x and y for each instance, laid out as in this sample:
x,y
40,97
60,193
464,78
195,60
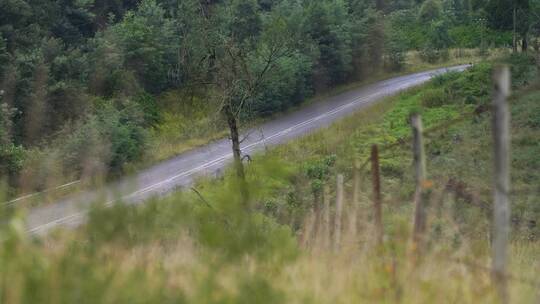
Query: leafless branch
x,y
202,198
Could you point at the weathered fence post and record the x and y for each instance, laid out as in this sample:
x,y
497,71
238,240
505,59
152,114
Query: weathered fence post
x,y
376,182
421,184
326,218
307,230
353,212
356,181
501,214
318,206
339,211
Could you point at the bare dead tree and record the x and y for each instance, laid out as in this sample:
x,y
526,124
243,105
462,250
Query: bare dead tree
x,y
240,70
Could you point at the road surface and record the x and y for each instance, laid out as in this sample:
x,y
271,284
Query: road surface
x,y
180,171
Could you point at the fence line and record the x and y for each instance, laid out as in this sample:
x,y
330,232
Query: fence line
x,y
501,192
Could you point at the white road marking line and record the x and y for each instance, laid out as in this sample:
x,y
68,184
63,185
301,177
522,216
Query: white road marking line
x,y
208,164
42,192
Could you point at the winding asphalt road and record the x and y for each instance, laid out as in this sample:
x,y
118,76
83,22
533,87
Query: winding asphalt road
x,y
180,171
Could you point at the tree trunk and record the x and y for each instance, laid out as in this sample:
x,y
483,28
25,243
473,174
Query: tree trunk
x,y
237,153
524,44
235,139
514,35
380,5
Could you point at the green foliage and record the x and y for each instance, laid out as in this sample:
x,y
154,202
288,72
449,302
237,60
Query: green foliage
x,y
318,172
438,35
245,22
11,160
111,136
432,55
435,97
430,11
4,56
148,43
149,108
327,25
474,34
11,155
436,47
523,69
287,85
472,87
405,25
396,47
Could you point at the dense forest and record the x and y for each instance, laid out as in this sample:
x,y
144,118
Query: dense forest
x,y
80,80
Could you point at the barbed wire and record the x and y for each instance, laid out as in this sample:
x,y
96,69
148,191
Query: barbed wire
x,y
400,142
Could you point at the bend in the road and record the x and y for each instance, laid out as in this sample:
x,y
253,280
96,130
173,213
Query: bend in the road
x,y
210,159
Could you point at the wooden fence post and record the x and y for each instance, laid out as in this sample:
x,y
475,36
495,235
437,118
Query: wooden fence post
x,y
318,225
501,215
339,211
376,182
420,178
353,212
356,181
326,218
306,236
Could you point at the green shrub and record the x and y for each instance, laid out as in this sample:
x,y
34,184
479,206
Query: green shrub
x,y
432,55
287,85
430,10
396,56
429,54
434,97
11,155
472,87
523,68
149,109
122,129
318,171
11,160
105,140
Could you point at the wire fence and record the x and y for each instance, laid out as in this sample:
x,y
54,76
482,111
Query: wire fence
x,y
494,202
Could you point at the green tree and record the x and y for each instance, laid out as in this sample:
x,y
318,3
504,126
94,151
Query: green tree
x,y
11,155
148,43
511,15
4,57
244,57
430,10
395,48
327,23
